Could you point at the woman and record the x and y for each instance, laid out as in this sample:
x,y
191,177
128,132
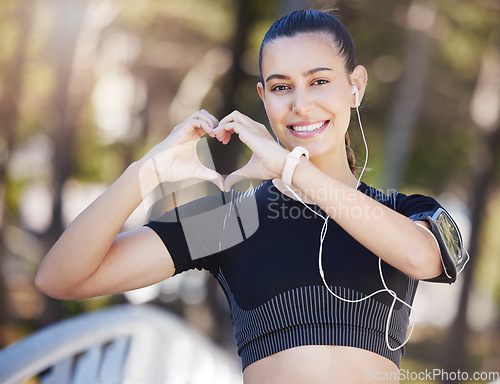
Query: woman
x,y
293,322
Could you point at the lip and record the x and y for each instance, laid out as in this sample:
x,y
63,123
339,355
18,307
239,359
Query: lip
x,y
304,135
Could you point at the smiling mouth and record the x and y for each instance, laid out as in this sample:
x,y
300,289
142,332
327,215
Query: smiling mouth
x,y
308,128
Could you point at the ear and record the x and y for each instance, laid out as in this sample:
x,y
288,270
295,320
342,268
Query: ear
x,y
359,78
261,91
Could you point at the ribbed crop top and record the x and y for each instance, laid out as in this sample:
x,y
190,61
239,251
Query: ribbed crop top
x,y
262,247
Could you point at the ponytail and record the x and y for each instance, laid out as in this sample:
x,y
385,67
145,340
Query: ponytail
x,y
351,157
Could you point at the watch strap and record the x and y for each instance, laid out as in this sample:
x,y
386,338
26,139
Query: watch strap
x,y
292,160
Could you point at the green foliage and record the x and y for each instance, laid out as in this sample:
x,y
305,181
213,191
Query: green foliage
x,y
8,39
488,269
209,18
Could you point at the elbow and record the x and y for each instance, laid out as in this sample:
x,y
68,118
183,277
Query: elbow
x,y
424,271
49,287
42,283
59,290
424,262
424,267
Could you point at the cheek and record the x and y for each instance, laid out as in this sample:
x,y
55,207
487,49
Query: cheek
x,y
335,97
338,104
276,109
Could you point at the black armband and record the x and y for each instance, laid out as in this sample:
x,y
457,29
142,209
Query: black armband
x,y
450,243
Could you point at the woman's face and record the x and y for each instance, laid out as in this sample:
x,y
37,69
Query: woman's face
x,y
307,92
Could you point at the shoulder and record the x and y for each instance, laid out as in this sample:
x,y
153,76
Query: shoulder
x,y
400,202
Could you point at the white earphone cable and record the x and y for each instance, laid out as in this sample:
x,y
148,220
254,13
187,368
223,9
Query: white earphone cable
x,y
386,288
366,147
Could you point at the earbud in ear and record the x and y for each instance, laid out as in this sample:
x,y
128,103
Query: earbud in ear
x,y
355,92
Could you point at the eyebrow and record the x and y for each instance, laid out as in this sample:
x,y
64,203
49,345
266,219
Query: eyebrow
x,y
308,73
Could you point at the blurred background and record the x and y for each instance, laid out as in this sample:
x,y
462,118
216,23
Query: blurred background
x,y
88,86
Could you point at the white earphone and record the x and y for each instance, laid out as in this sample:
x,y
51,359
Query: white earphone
x,y
355,92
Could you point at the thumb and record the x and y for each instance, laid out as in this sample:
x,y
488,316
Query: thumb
x,y
235,177
251,170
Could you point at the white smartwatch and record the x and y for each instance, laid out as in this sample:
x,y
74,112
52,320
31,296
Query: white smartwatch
x,y
292,160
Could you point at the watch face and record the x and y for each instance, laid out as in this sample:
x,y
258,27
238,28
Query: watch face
x,y
450,235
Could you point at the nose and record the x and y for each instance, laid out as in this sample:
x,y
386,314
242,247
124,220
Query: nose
x,y
302,102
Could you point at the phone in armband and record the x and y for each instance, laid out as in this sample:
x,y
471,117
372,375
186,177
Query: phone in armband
x,y
453,254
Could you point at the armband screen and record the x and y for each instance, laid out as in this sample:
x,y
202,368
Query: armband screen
x,y
450,242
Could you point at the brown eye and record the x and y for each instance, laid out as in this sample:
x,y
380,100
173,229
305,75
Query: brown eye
x,y
279,88
320,82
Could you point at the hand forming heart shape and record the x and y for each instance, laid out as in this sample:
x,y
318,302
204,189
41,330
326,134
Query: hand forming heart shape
x,y
176,159
268,157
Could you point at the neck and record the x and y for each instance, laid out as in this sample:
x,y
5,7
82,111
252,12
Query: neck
x,y
335,164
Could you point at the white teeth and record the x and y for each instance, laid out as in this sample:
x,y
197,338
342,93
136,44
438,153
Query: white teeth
x,y
307,128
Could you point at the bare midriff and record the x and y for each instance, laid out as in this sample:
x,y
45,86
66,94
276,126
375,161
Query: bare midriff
x,y
322,364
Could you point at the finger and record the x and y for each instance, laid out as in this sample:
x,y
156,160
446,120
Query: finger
x,y
224,137
211,117
204,120
232,117
223,132
209,129
237,116
233,178
230,127
247,124
203,116
248,171
218,181
228,119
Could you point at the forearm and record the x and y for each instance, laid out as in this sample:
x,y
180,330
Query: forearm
x,y
84,244
388,234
